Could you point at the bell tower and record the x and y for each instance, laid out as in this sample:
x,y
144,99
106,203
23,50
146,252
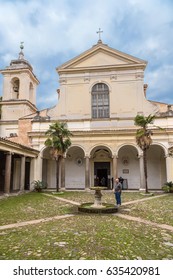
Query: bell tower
x,y
19,89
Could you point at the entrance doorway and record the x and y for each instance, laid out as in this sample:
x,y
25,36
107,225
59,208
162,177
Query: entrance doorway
x,y
101,174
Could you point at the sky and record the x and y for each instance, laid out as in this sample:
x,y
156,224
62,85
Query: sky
x,y
56,31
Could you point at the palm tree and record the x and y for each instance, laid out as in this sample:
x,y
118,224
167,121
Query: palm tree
x,y
59,141
143,140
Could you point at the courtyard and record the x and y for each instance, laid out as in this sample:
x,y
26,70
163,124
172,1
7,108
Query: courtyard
x,y
48,226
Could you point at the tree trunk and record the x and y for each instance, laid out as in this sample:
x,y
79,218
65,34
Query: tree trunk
x,y
145,169
57,174
62,173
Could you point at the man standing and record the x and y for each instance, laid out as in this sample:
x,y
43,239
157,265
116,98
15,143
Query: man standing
x,y
117,191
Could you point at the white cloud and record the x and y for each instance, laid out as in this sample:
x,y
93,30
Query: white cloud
x,y
48,100
160,83
55,31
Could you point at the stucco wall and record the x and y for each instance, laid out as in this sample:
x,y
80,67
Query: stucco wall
x,y
75,175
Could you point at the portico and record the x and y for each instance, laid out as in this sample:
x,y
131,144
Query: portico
x,y
83,170
16,166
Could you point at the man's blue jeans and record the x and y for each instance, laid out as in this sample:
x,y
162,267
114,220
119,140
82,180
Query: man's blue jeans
x,y
118,197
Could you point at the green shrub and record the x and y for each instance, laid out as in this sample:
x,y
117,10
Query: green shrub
x,y
39,185
168,187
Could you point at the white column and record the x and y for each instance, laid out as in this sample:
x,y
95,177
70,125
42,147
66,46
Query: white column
x,y
22,176
33,168
141,167
7,172
114,167
87,172
38,168
168,168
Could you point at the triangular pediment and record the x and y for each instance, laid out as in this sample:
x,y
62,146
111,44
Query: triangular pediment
x,y
99,59
101,56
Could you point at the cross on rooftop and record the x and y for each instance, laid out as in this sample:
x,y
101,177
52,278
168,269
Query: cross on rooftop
x,y
99,32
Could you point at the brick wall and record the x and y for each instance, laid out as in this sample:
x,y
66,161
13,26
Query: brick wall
x,y
23,129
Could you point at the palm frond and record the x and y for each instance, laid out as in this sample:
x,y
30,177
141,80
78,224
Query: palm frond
x,y
143,121
48,142
58,138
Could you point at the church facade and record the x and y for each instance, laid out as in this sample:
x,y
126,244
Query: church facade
x,y
101,91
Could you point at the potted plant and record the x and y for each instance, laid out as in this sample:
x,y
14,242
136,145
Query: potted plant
x,y
39,185
168,187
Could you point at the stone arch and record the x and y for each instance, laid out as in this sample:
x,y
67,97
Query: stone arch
x,y
45,152
74,164
75,167
101,165
100,146
156,166
139,151
160,145
48,168
79,146
42,150
100,81
128,165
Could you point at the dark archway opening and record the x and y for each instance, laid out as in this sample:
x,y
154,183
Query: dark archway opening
x,y
101,174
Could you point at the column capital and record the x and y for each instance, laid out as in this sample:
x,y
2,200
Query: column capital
x,y
87,156
140,155
22,156
115,156
8,153
168,155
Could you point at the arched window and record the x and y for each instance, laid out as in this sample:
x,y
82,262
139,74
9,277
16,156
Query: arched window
x,y
100,101
15,88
